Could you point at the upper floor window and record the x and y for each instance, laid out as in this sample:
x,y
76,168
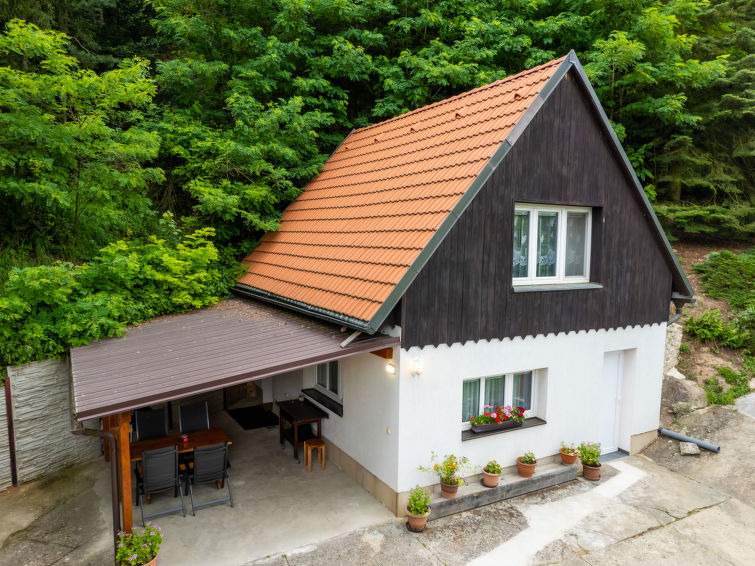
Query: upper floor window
x,y
551,244
328,379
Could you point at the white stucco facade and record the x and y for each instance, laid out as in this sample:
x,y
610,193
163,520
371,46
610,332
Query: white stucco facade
x,y
570,369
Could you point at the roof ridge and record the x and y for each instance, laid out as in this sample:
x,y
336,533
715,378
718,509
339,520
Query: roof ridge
x,y
464,94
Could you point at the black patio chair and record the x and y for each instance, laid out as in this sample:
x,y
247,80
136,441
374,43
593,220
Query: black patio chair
x,y
159,472
210,465
194,417
149,423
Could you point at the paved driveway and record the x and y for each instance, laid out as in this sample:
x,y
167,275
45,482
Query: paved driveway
x,y
641,512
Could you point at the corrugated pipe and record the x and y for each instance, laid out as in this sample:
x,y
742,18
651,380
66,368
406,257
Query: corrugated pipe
x,y
700,443
113,477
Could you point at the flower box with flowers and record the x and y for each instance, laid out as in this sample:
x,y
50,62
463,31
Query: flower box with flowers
x,y
497,418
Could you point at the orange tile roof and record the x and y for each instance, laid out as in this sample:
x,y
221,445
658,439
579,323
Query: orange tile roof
x,y
352,235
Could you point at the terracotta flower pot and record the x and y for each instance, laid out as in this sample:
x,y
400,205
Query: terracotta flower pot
x,y
568,459
591,473
525,470
152,562
417,523
489,480
448,491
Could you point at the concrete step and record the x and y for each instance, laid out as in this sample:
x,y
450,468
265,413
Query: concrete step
x,y
511,484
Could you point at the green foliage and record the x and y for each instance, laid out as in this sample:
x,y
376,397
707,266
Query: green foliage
x,y
139,546
73,150
710,326
684,349
419,501
46,310
493,467
589,453
450,470
528,458
730,221
738,385
729,276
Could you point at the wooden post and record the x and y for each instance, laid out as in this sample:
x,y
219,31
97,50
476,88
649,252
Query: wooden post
x,y
124,453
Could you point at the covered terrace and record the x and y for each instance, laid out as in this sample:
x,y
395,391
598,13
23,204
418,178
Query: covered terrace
x,y
177,357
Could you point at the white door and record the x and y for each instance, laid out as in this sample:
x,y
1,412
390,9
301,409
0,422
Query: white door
x,y
610,402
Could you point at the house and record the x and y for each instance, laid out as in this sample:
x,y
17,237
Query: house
x,y
504,238
492,248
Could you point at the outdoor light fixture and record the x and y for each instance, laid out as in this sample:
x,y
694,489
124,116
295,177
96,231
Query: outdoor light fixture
x,y
390,368
418,365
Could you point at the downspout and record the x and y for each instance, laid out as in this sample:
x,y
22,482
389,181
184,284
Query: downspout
x,y
683,438
116,505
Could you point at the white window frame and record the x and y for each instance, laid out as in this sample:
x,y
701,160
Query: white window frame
x,y
560,276
326,389
508,392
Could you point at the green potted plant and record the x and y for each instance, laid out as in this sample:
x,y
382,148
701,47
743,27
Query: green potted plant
x,y
491,473
589,455
418,509
139,547
497,418
569,454
526,463
449,471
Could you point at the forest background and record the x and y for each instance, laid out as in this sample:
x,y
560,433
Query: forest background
x,y
147,144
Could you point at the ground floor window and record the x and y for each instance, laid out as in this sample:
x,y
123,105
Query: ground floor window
x,y
515,389
328,379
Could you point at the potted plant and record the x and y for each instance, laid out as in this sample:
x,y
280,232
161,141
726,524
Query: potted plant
x,y
526,464
139,547
589,455
491,473
497,418
449,472
568,453
418,509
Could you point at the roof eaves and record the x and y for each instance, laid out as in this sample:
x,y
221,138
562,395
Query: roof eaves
x,y
690,293
304,308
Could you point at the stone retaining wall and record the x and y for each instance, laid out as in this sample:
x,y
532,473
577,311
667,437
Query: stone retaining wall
x,y
5,476
40,402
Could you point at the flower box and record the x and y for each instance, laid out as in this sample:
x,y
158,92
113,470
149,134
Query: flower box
x,y
495,426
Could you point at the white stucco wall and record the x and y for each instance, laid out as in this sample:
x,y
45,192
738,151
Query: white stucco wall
x,y
285,386
368,430
430,403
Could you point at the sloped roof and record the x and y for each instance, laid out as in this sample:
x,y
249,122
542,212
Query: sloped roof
x,y
347,241
353,241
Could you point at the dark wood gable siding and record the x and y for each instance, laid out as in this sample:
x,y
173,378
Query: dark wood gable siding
x,y
464,292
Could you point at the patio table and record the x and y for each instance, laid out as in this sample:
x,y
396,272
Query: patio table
x,y
298,413
195,440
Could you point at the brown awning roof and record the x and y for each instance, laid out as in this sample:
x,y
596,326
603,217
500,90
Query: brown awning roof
x,y
175,356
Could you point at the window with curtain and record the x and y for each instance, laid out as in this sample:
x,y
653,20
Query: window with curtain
x,y
515,389
558,238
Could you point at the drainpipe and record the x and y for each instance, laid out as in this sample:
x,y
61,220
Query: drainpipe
x,y
700,443
113,477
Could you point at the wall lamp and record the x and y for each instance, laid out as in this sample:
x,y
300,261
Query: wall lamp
x,y
417,365
390,368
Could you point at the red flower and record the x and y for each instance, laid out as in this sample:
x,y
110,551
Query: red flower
x,y
520,409
497,409
487,414
505,418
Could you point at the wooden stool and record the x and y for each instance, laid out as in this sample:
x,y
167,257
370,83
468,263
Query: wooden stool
x,y
317,444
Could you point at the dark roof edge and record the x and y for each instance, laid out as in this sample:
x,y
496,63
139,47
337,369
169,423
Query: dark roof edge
x,y
356,347
304,308
574,61
469,195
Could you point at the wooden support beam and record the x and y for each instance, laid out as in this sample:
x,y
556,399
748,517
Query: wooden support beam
x,y
385,353
124,454
106,442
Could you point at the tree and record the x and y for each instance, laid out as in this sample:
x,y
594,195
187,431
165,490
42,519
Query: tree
x,y
73,154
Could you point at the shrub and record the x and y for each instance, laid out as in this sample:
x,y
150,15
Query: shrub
x,y
684,349
419,501
729,277
710,327
739,385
